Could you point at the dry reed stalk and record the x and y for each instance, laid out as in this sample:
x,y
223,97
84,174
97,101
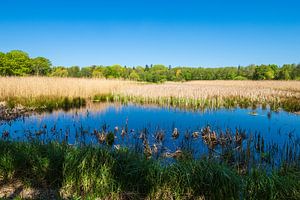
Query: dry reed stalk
x,y
59,87
81,87
255,90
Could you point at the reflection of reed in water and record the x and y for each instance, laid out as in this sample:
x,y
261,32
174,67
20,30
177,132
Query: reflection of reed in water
x,y
235,148
89,108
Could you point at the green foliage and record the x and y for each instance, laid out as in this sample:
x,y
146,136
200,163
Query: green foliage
x,y
33,163
73,71
86,72
59,72
114,71
18,63
282,184
15,63
46,103
202,178
240,78
110,138
134,76
98,72
295,72
7,169
40,66
291,104
90,172
265,72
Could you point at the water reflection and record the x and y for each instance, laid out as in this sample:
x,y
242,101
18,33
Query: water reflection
x,y
163,131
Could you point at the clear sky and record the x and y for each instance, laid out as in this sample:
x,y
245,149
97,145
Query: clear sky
x,y
206,33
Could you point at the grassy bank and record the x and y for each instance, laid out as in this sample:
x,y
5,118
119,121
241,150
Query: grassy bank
x,y
45,103
90,172
289,104
50,103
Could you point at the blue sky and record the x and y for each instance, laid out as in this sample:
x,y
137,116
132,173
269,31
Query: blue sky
x,y
206,33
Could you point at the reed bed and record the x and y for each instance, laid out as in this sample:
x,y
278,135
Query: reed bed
x,y
27,91
28,87
254,90
217,94
80,87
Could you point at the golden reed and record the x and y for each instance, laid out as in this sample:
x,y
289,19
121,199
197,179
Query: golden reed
x,y
80,87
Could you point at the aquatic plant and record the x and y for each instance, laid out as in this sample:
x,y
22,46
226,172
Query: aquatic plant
x,y
289,105
46,103
237,148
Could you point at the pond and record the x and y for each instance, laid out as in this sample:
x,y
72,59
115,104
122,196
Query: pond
x,y
131,123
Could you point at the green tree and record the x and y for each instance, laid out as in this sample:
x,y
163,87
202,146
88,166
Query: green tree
x,y
134,76
4,69
15,63
98,72
59,72
265,72
40,66
73,71
247,72
296,72
116,71
86,72
240,78
157,73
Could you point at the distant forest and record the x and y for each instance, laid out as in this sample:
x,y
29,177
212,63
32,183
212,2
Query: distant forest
x,y
18,63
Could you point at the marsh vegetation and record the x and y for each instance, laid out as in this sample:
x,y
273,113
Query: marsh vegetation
x,y
208,139
117,153
37,91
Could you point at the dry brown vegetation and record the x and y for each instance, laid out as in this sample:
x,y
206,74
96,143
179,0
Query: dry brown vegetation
x,y
59,87
206,89
196,94
80,87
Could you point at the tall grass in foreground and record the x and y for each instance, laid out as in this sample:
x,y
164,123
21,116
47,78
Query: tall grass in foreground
x,y
90,172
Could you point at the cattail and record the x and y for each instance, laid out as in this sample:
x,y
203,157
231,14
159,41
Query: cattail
x,y
159,136
123,132
175,133
195,135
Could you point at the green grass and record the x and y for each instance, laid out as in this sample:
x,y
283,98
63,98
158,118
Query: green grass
x,y
94,171
50,103
287,104
283,184
46,103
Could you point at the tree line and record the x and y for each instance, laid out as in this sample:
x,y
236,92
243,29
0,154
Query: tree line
x,y
18,63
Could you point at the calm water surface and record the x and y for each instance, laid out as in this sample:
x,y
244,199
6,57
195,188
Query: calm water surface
x,y
273,126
